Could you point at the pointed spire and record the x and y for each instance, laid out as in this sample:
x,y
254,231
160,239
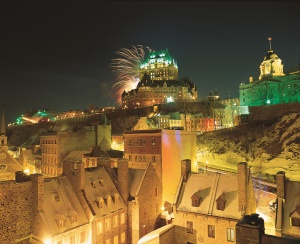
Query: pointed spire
x,y
2,129
270,39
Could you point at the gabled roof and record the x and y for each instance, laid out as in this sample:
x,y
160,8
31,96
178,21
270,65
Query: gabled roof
x,y
210,186
98,184
75,156
135,178
8,165
61,203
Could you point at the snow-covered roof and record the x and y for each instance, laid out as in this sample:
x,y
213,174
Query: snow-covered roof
x,y
101,192
210,186
75,156
62,208
135,179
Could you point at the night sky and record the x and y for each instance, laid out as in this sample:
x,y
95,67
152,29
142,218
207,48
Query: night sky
x,y
56,55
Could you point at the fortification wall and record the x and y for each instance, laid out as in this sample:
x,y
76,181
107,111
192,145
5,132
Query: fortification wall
x,y
16,200
272,112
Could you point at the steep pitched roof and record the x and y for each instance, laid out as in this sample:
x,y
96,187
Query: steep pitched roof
x,y
210,186
100,188
61,204
8,165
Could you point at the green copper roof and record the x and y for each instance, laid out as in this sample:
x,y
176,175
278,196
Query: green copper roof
x,y
161,56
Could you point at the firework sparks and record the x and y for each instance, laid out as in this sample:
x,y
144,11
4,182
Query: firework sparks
x,y
126,69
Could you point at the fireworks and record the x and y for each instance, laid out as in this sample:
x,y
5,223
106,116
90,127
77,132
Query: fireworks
x,y
126,68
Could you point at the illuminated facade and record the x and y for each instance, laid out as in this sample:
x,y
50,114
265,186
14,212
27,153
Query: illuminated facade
x,y
165,149
159,83
150,92
207,207
159,65
273,86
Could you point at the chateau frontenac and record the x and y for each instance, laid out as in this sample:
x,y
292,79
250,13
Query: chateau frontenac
x,y
159,83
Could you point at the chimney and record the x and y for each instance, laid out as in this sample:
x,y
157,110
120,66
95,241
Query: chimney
x,y
280,178
37,202
75,172
242,186
185,168
123,184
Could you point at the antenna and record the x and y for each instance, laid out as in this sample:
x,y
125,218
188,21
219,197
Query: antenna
x,y
270,39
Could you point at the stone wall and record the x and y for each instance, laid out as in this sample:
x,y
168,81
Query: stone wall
x,y
272,112
16,210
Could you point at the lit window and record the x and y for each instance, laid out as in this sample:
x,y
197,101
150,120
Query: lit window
x,y
72,239
122,218
123,237
211,231
230,234
100,227
82,237
115,221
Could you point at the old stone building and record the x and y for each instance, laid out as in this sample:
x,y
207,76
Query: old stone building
x,y
8,164
143,191
56,145
159,83
164,149
159,65
272,86
39,210
287,207
207,207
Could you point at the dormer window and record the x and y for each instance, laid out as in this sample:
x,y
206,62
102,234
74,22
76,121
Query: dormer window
x,y
101,182
295,217
221,202
56,196
72,215
60,220
196,199
93,184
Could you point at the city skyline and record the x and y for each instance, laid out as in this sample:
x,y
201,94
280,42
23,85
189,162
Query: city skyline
x,y
57,54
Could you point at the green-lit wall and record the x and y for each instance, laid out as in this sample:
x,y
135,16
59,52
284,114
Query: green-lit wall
x,y
275,90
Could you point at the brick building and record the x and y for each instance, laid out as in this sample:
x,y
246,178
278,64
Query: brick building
x,y
164,149
143,192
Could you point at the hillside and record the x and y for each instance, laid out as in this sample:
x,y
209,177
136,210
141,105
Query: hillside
x,y
268,148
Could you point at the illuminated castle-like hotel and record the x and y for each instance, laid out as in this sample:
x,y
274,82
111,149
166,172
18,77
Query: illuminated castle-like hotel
x,y
159,83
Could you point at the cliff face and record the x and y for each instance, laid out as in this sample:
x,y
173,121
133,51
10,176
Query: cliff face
x,y
267,148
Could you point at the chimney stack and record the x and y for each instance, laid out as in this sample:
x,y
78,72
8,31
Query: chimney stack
x,y
280,178
123,183
185,168
242,186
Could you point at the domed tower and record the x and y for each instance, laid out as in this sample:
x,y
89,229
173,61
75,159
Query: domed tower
x,y
271,66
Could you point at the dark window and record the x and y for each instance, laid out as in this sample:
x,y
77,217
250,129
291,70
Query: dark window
x,y
195,202
221,206
296,222
211,231
189,227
